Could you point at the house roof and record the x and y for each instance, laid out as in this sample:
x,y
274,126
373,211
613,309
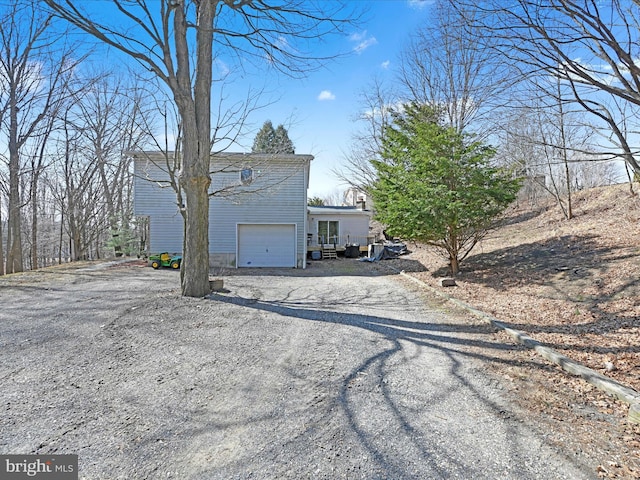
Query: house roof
x,y
335,210
228,156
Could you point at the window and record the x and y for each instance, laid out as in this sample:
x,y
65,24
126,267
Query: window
x,y
246,176
328,231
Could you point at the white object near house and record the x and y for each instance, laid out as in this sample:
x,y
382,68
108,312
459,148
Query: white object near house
x,y
338,226
257,211
355,197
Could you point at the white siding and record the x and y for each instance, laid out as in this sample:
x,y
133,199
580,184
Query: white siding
x,y
157,200
353,227
278,195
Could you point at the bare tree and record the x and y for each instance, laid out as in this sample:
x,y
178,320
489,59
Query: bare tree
x,y
32,71
76,193
590,45
109,115
158,35
378,102
443,66
521,151
620,126
548,143
37,165
91,179
335,197
560,146
447,67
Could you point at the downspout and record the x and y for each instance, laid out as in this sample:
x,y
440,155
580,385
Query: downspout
x,y
307,169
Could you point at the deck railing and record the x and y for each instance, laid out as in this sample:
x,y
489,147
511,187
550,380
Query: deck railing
x,y
339,240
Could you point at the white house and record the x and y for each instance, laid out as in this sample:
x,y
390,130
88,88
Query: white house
x,y
339,226
257,214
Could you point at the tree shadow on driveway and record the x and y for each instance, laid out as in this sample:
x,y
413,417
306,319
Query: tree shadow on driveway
x,y
414,445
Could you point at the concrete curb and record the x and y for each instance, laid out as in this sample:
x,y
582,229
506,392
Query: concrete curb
x,y
606,384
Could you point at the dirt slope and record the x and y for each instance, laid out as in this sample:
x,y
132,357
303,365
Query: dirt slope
x,y
574,285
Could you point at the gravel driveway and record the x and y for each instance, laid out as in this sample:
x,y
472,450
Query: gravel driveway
x,y
337,371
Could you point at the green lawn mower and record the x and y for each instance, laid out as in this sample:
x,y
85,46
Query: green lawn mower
x,y
165,260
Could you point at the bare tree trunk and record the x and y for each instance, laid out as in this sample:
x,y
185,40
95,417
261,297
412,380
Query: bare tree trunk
x,y
455,265
2,271
61,237
194,176
15,262
567,177
564,146
630,178
36,170
34,221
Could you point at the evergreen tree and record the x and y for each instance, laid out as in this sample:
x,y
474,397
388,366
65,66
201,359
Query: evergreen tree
x,y
437,187
264,139
282,141
270,140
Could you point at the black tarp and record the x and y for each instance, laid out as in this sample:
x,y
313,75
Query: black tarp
x,y
390,250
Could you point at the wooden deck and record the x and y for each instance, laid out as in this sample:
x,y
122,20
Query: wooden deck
x,y
339,248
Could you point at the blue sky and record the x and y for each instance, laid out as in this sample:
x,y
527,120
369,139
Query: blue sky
x,y
319,111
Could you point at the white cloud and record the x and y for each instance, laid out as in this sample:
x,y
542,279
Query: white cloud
x,y
420,4
362,46
385,110
223,68
362,40
385,64
326,95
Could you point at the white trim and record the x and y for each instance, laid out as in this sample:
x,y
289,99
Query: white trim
x,y
317,211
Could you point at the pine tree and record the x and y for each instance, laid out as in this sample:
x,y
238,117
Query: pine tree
x,y
282,141
264,139
436,186
269,140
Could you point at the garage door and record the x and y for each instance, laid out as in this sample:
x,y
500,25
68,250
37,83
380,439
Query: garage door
x,y
267,245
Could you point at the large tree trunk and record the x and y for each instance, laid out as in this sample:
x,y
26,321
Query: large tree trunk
x,y
194,182
455,265
195,265
195,111
565,155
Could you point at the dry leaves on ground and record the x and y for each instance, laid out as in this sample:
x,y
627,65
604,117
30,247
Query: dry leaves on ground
x,y
573,285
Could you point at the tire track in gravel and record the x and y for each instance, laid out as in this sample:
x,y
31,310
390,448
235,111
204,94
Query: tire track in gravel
x,y
369,428
285,375
54,351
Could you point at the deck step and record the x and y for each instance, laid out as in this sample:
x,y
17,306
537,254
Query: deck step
x,y
329,252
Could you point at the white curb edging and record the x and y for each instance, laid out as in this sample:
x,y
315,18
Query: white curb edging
x,y
610,386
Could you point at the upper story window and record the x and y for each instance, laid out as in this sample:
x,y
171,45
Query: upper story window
x,y
246,176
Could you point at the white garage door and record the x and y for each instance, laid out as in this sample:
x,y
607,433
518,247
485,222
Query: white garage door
x,y
267,245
